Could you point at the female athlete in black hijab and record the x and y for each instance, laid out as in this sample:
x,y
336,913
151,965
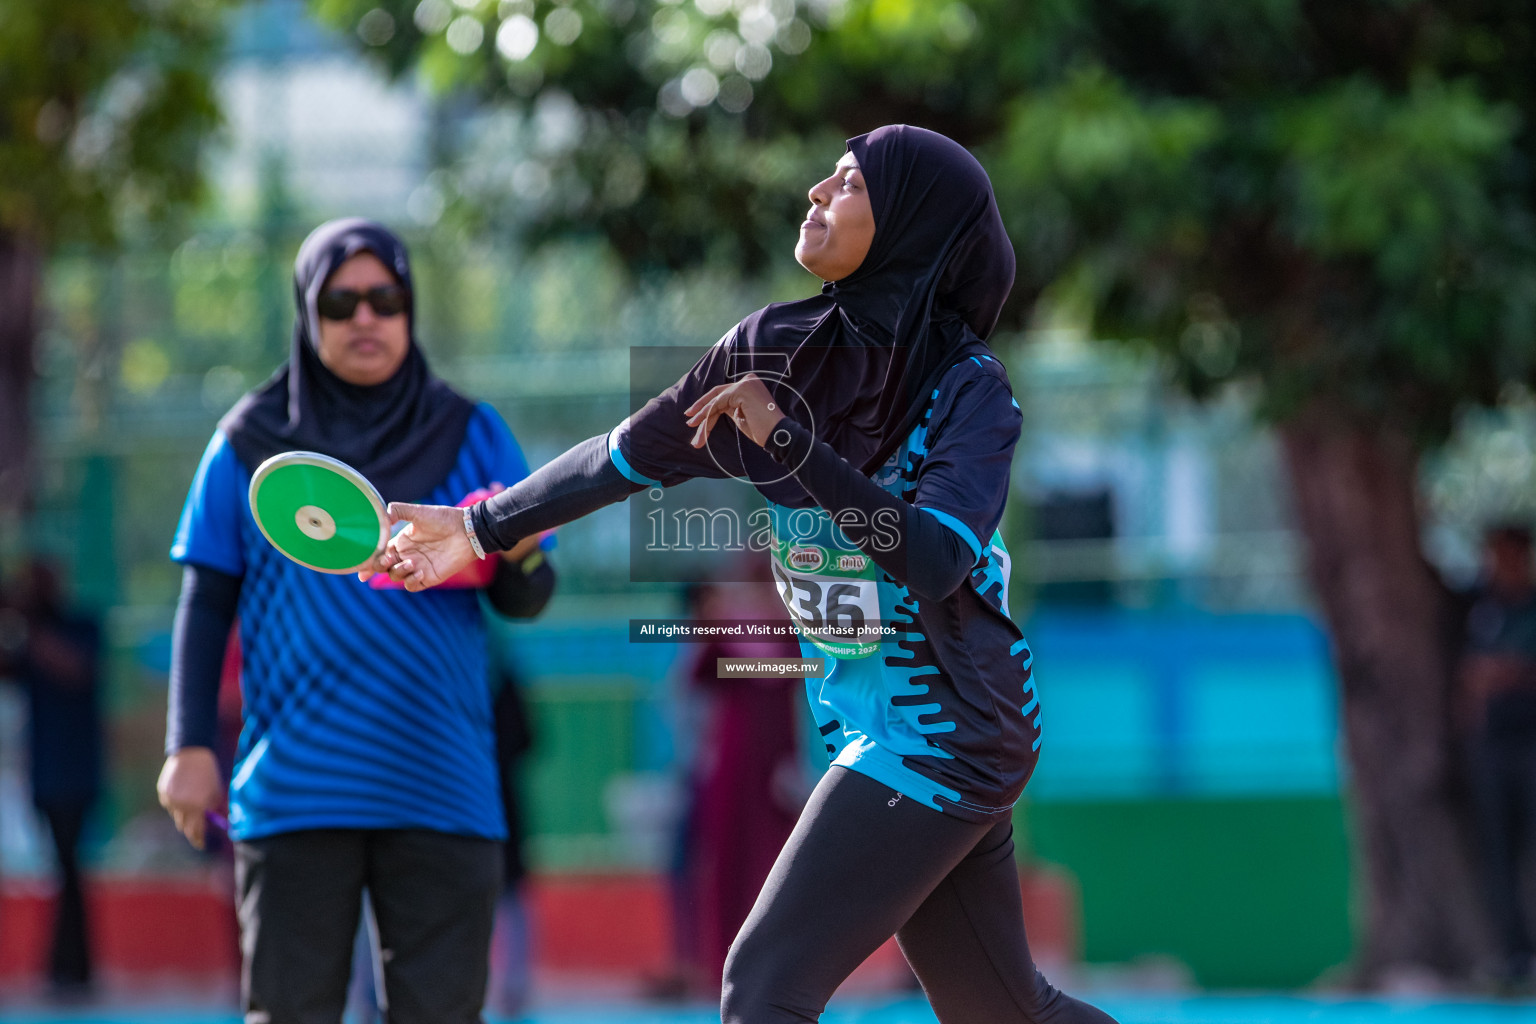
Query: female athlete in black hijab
x,y
881,429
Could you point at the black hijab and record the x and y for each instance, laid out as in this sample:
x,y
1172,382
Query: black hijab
x,y
856,363
404,435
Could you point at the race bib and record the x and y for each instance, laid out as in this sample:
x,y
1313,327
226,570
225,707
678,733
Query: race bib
x,y
833,595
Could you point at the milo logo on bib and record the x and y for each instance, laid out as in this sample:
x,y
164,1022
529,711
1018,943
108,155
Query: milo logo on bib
x,y
805,559
832,592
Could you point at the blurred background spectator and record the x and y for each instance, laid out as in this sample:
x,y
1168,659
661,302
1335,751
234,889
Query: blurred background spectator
x,y
56,657
746,782
1498,690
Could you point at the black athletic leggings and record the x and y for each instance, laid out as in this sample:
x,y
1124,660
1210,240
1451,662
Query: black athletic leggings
x,y
865,862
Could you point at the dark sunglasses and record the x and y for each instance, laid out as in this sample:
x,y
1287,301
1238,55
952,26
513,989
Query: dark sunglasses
x,y
384,300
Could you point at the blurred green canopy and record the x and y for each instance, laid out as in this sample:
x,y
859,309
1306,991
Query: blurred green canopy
x,y
104,108
1328,200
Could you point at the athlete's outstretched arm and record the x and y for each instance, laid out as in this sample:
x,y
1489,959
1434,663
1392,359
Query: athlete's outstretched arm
x,y
650,448
436,545
563,490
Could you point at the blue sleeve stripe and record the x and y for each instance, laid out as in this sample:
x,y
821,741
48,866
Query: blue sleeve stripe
x,y
965,532
622,464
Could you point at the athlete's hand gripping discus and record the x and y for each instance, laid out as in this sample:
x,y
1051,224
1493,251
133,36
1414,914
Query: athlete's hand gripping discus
x,y
429,551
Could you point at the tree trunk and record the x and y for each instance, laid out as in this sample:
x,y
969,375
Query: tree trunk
x,y
19,278
1419,909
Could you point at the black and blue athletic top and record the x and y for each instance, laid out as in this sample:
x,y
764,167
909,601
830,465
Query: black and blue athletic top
x,y
944,709
941,704
885,480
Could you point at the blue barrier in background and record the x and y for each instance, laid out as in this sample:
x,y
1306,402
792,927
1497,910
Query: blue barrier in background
x,y
1183,704
1135,704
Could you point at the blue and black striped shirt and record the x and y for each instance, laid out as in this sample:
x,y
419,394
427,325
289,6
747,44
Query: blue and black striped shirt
x,y
364,708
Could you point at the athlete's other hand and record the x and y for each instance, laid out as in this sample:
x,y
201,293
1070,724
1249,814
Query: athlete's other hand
x,y
745,402
189,787
432,547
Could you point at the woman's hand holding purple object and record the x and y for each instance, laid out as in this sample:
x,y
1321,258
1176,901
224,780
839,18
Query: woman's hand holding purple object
x,y
189,788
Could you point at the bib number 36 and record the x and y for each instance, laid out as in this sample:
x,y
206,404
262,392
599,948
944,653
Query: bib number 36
x,y
839,615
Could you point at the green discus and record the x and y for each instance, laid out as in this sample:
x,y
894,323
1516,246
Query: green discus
x,y
319,511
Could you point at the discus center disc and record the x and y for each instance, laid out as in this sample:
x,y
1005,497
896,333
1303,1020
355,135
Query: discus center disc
x,y
315,522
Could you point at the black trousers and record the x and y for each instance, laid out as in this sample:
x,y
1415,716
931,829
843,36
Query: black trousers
x,y
1503,777
69,959
299,897
864,863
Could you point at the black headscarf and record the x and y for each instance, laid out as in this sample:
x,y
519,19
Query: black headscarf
x,y
404,435
856,363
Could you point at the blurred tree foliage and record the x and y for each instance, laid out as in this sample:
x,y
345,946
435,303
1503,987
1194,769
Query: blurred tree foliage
x,y
1168,167
104,105
1328,205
